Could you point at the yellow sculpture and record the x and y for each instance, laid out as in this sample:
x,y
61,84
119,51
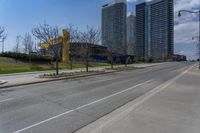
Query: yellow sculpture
x,y
65,46
64,40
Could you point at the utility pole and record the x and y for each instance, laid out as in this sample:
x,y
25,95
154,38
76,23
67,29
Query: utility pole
x,y
193,12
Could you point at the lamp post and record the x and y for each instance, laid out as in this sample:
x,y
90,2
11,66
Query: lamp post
x,y
195,12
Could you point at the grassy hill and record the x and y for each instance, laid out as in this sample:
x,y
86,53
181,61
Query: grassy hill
x,y
9,65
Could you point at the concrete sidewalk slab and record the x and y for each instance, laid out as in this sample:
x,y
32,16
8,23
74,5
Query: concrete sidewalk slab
x,y
175,108
35,80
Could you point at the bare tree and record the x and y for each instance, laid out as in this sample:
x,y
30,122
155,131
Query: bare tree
x,y
49,35
110,54
17,47
28,45
125,48
90,36
2,31
124,51
3,37
74,38
74,33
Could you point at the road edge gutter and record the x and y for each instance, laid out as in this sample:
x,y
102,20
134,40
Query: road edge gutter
x,y
70,77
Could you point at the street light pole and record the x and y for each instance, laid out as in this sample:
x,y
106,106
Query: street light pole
x,y
196,12
199,40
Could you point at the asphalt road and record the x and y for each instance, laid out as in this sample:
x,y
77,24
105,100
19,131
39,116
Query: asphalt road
x,y
66,106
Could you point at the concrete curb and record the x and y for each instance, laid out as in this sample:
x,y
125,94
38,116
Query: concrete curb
x,y
36,72
57,79
65,78
2,82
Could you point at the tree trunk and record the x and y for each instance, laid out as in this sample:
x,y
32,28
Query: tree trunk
x,y
71,64
87,63
57,71
111,65
16,58
126,58
111,62
29,58
125,63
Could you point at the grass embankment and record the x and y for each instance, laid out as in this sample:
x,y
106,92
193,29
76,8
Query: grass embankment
x,y
9,65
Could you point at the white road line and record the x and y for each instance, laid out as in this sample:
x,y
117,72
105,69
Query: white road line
x,y
9,99
81,107
139,101
112,95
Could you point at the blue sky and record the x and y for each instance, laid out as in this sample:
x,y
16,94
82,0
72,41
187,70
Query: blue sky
x,y
20,16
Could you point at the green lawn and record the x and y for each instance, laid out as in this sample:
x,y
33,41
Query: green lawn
x,y
8,65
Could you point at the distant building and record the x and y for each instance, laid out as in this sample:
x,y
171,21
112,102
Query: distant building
x,y
114,24
140,30
77,52
97,53
178,57
130,25
155,29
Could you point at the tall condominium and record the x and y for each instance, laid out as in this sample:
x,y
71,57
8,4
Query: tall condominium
x,y
130,29
114,24
155,29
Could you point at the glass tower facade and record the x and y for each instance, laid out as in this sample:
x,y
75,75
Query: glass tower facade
x,y
157,29
140,29
130,25
114,24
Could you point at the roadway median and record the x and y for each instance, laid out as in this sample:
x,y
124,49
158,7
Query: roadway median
x,y
44,79
29,79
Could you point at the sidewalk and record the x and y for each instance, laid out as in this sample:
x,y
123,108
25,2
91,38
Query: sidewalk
x,y
143,65
27,79
174,108
31,78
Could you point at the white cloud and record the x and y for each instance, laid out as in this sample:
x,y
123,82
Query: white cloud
x,y
186,26
185,31
186,4
181,52
137,0
131,0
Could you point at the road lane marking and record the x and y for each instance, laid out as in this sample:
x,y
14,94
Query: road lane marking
x,y
138,102
5,100
112,95
81,107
